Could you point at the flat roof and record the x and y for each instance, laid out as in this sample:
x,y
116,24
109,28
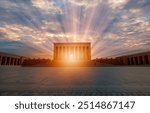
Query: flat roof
x,y
135,54
9,54
72,43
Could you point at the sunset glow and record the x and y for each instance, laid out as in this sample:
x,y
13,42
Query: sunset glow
x,y
114,27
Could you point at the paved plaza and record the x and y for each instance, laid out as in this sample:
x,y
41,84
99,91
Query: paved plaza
x,y
80,81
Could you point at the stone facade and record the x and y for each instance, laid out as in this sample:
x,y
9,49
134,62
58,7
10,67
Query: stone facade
x,y
72,51
9,59
134,59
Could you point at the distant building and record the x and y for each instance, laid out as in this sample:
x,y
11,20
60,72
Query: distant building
x,y
10,59
134,59
72,52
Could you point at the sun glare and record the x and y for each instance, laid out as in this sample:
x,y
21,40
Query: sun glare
x,y
72,58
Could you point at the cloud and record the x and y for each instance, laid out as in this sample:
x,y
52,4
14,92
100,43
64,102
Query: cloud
x,y
86,3
117,4
34,36
112,26
47,5
23,34
7,4
51,26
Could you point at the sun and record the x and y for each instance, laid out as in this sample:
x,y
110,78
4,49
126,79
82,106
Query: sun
x,y
71,58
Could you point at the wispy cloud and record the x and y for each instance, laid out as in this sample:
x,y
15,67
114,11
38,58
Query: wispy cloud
x,y
86,3
47,5
117,4
114,27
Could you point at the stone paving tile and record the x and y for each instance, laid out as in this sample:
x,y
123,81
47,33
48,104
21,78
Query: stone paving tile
x,y
100,81
74,92
67,93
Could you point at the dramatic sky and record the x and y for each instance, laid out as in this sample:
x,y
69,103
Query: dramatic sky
x,y
114,27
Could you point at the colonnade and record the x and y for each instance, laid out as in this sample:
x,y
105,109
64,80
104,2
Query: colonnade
x,y
72,52
8,60
139,60
142,59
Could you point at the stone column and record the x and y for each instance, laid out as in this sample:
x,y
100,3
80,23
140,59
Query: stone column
x,y
17,61
89,53
82,52
130,63
67,52
85,51
144,62
5,61
9,60
119,61
64,52
13,61
77,52
0,59
149,58
20,60
74,52
59,54
54,52
80,55
68,55
134,61
125,61
138,60
85,56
